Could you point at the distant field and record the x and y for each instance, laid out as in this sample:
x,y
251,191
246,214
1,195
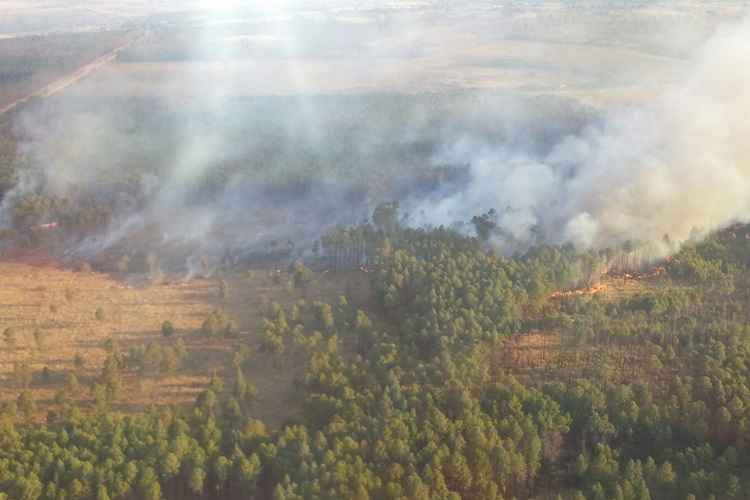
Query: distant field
x,y
444,59
29,63
590,73
598,54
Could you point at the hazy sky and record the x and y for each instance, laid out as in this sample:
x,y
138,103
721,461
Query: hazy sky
x,y
23,16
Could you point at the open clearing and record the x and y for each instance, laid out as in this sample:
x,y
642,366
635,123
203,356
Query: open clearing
x,y
62,304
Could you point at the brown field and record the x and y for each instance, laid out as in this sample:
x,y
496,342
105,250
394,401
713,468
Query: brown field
x,y
62,303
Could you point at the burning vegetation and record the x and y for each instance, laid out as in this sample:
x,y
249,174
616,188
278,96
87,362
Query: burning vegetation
x,y
198,302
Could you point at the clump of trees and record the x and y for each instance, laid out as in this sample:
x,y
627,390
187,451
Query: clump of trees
x,y
156,358
218,325
167,329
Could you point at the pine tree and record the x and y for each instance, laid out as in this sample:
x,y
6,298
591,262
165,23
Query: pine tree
x,y
167,329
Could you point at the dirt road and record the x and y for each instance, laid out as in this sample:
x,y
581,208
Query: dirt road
x,y
66,81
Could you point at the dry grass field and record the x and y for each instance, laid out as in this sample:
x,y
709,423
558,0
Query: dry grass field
x,y
62,304
597,75
600,55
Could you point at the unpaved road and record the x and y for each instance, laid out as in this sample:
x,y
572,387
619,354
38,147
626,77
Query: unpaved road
x,y
66,81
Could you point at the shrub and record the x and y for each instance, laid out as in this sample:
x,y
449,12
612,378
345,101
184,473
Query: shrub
x,y
181,350
170,360
40,337
99,314
10,337
26,404
72,386
46,375
217,324
302,275
167,329
79,362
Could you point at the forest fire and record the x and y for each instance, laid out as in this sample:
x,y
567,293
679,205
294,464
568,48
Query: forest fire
x,y
45,227
633,275
612,275
579,292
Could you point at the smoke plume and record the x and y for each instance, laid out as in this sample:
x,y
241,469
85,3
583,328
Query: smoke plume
x,y
204,160
636,173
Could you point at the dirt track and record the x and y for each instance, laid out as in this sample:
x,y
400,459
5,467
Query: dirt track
x,y
66,81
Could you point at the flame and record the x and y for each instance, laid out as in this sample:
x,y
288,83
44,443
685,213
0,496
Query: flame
x,y
602,287
592,290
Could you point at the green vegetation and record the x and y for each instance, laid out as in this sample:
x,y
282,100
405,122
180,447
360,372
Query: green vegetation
x,y
10,337
99,314
167,329
420,394
217,325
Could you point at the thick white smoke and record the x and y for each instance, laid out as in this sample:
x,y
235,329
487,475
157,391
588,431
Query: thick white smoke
x,y
678,164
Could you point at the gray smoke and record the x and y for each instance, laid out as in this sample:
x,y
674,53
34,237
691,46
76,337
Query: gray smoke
x,y
640,172
204,159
